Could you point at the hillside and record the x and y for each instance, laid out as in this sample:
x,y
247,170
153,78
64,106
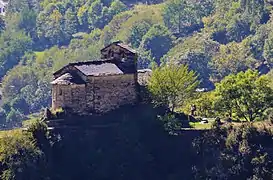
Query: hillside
x,y
132,147
214,38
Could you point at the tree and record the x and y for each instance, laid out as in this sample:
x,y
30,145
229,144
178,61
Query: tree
x,y
94,15
231,58
198,62
28,21
13,45
70,23
180,16
117,7
20,158
246,93
50,26
158,40
242,152
268,45
138,31
172,85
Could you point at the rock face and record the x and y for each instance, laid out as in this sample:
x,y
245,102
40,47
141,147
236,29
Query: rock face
x,y
98,86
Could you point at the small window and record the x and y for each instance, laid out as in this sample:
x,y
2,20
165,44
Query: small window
x,y
60,92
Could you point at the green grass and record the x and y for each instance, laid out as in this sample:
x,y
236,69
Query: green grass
x,y
199,126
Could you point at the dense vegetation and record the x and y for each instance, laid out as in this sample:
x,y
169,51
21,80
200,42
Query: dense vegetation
x,y
214,38
136,147
222,45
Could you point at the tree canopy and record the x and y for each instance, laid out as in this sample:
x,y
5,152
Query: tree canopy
x,y
172,85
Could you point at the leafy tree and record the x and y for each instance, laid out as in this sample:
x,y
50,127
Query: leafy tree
x,y
242,152
246,93
138,31
95,14
172,85
83,18
198,62
237,29
70,23
28,21
180,16
158,40
268,45
14,118
19,5
20,104
50,26
231,58
13,45
117,7
20,158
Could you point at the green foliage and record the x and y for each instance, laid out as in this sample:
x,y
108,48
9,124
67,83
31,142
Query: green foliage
x,y
242,152
268,45
27,21
247,94
138,31
13,45
199,63
172,85
205,104
180,16
20,158
50,25
230,59
44,35
158,40
170,123
70,22
234,20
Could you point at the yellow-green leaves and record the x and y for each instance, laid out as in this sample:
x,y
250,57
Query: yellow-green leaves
x,y
172,85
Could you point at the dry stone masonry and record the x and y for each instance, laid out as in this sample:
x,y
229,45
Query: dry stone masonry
x,y
99,86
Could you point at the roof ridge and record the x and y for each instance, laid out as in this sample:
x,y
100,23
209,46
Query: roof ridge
x,y
109,60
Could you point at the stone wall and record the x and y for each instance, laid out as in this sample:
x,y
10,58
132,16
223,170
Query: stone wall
x,y
69,96
117,52
143,76
143,79
100,94
110,92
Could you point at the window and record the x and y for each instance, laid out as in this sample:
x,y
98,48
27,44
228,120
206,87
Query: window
x,y
60,92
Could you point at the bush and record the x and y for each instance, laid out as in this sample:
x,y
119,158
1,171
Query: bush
x,y
171,124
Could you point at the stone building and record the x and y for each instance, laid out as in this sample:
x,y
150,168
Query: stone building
x,y
98,86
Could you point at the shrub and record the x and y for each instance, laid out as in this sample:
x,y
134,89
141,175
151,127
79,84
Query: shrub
x,y
171,124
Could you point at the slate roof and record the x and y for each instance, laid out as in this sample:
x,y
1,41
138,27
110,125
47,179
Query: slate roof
x,y
122,45
99,69
67,79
